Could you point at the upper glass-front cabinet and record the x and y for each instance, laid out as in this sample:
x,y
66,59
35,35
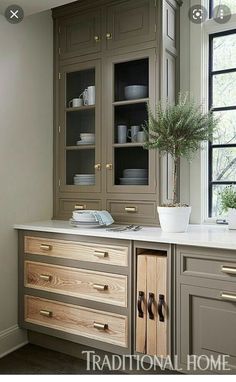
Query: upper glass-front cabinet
x,y
130,167
80,128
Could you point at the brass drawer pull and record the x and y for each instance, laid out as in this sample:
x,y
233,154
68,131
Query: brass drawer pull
x,y
46,313
97,167
228,296
229,270
109,36
100,287
131,209
98,325
109,166
100,254
46,247
45,277
97,38
80,207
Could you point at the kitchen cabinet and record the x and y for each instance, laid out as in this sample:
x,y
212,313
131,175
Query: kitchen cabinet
x,y
152,309
116,49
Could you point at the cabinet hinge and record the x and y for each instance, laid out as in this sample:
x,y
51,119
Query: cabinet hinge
x,y
155,3
155,28
59,51
59,183
59,29
59,129
59,76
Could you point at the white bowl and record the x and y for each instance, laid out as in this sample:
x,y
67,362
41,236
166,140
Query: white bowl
x,y
135,91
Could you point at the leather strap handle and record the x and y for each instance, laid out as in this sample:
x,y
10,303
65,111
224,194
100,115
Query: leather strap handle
x,y
139,303
150,303
161,303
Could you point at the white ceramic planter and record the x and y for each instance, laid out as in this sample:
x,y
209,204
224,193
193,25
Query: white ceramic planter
x,y
174,219
232,218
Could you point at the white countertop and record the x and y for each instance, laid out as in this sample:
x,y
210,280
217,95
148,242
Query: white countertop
x,y
211,236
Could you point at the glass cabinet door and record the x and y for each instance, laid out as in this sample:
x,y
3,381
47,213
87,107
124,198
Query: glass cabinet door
x,y
130,167
80,128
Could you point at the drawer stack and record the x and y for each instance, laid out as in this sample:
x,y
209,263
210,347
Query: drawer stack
x,y
76,288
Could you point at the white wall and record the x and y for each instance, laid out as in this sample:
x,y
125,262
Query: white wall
x,y
26,126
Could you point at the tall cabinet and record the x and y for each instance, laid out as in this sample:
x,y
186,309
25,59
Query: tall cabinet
x,y
112,58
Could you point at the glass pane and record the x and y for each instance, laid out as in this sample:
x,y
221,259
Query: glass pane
x,y
224,52
131,166
77,83
224,90
78,124
226,130
216,200
224,164
80,167
230,3
131,80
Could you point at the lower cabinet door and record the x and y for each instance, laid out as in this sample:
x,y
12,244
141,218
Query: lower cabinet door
x,y
151,317
98,325
207,324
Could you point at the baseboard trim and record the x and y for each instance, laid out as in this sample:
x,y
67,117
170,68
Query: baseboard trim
x,y
11,339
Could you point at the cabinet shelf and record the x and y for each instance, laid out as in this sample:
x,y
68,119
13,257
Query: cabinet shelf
x,y
130,102
128,144
82,147
80,108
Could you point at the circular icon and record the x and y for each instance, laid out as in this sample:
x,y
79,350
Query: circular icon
x,y
197,14
221,14
14,14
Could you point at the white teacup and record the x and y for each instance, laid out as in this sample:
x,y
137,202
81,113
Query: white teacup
x,y
76,102
133,132
141,137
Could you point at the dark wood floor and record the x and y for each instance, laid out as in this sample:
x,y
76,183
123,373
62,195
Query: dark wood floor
x,y
32,359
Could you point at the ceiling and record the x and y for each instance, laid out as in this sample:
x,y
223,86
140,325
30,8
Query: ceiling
x,y
33,6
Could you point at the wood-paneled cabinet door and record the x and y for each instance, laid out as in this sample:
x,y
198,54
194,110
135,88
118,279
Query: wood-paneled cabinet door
x,y
152,314
80,34
207,324
130,22
80,128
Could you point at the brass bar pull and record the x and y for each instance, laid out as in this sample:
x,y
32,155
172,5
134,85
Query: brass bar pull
x,y
228,296
80,207
109,36
45,277
100,287
97,166
100,254
97,38
46,313
100,326
131,209
229,270
109,166
46,247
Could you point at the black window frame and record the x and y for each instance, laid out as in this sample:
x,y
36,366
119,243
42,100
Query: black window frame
x,y
211,145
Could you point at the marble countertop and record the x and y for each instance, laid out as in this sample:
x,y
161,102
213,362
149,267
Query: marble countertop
x,y
211,236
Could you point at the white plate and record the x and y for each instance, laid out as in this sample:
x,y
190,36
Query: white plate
x,y
85,225
134,181
92,142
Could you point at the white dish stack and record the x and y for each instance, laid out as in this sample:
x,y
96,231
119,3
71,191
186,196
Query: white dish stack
x,y
134,176
84,219
84,179
86,139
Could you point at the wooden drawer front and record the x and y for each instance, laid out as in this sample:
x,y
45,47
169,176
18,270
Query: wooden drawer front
x,y
66,206
96,286
132,209
98,325
208,263
96,253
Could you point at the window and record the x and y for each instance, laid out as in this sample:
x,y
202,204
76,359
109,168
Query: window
x,y
222,101
230,3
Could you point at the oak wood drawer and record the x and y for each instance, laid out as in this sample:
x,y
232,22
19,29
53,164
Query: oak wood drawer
x,y
96,253
97,286
209,263
131,210
66,206
98,325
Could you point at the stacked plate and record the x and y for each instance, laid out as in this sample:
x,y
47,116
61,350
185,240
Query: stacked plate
x,y
86,139
134,176
84,179
84,219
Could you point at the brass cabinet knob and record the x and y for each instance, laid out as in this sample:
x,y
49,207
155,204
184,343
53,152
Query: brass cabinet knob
x,y
100,326
80,207
45,313
45,277
97,38
131,209
109,166
109,36
46,247
100,287
97,166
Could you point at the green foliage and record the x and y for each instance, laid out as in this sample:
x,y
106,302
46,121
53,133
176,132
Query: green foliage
x,y
179,129
228,198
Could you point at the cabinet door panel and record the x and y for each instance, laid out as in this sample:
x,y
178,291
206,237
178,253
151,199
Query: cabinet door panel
x,y
141,320
152,295
207,323
80,34
130,22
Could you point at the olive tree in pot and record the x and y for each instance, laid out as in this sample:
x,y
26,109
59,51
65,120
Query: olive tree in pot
x,y
178,130
228,204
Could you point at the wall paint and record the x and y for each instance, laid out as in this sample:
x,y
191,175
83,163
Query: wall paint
x,y
26,128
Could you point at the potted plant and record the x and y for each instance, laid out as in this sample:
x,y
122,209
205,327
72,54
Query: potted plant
x,y
178,130
228,204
